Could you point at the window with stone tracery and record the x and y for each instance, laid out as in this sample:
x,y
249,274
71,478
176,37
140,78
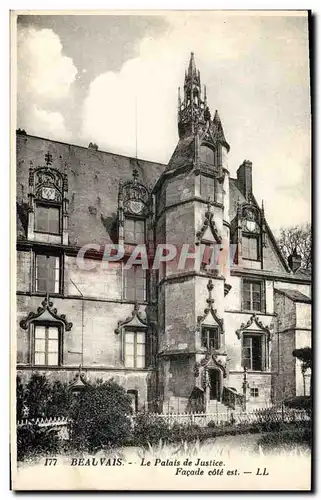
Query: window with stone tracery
x,y
48,203
134,210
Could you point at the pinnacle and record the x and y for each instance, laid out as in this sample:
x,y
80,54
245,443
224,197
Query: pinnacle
x,y
217,118
192,66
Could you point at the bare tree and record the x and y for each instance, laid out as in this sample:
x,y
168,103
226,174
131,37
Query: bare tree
x,y
297,239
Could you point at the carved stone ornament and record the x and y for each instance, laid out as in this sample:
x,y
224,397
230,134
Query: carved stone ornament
x,y
250,216
258,325
79,382
210,310
208,222
46,312
47,182
216,359
135,320
134,198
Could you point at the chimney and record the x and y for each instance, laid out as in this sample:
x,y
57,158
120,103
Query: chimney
x,y
244,178
93,145
294,261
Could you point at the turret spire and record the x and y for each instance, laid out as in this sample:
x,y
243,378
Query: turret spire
x,y
195,124
192,107
192,67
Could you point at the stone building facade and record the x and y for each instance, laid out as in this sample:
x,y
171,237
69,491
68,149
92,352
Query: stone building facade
x,y
176,337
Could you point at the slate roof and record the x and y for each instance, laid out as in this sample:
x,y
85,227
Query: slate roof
x,y
235,196
305,273
183,153
294,295
93,178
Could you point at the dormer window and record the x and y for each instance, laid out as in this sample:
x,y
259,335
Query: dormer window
x,y
250,247
47,219
48,204
250,225
207,155
134,209
211,157
134,231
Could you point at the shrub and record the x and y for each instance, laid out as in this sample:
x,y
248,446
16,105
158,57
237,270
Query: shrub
x,y
211,424
20,398
37,393
149,429
100,417
33,440
189,432
288,437
42,398
59,400
299,403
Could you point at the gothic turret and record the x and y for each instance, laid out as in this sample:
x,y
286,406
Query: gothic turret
x,y
196,127
191,110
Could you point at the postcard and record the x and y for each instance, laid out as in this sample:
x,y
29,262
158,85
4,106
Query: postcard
x,y
161,279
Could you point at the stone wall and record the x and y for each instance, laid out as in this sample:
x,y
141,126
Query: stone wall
x,y
293,332
258,380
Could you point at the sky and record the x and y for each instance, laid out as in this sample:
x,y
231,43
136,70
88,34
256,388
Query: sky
x,y
111,79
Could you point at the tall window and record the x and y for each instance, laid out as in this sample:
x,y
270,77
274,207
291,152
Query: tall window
x,y
207,155
253,352
135,349
210,337
207,188
47,273
135,283
46,348
250,247
253,296
47,219
134,231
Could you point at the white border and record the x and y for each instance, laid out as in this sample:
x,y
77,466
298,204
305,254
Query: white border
x,y
4,198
